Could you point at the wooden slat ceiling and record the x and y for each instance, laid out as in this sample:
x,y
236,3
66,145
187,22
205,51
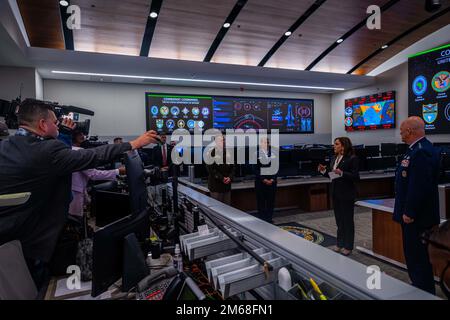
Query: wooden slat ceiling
x,y
259,25
42,22
185,30
111,27
318,32
399,18
402,44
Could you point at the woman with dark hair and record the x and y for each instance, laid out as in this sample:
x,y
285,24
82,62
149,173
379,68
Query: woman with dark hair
x,y
344,168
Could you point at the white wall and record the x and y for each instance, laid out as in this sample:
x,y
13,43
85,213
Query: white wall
x,y
395,79
39,86
120,108
11,79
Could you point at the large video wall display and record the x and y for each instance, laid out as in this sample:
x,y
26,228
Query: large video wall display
x,y
429,88
227,112
376,111
166,113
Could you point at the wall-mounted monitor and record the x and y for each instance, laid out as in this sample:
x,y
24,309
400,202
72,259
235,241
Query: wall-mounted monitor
x,y
429,88
371,112
168,112
286,115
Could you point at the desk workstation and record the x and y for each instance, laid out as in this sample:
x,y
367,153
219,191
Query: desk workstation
x,y
387,242
306,193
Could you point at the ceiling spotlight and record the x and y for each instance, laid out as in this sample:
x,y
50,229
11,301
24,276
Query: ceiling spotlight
x,y
153,15
287,33
64,3
340,40
226,25
384,47
432,5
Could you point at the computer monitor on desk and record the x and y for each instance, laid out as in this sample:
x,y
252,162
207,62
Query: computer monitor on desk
x,y
372,151
109,206
136,182
388,149
108,253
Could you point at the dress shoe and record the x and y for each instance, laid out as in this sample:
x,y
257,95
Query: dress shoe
x,y
346,252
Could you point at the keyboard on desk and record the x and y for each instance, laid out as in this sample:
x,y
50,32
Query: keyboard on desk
x,y
156,291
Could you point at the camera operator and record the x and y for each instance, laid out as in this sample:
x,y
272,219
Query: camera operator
x,y
80,179
35,161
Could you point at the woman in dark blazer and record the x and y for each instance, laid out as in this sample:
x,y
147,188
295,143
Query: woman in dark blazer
x,y
344,165
265,185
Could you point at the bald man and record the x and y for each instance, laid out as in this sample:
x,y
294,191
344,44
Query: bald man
x,y
417,200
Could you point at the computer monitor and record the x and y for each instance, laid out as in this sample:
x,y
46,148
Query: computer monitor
x,y
389,163
388,149
319,154
107,253
372,151
109,206
137,188
375,164
285,156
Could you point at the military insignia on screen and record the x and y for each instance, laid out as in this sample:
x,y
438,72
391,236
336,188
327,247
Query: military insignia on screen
x,y
441,81
404,174
419,85
430,112
405,163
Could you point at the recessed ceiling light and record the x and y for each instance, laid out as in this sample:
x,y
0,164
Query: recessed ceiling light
x,y
384,47
64,3
262,84
226,25
153,15
287,33
340,40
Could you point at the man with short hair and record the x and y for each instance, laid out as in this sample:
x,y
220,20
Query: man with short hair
x,y
34,161
417,200
162,152
118,140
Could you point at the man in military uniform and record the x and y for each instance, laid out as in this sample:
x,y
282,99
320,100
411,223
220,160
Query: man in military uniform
x,y
417,200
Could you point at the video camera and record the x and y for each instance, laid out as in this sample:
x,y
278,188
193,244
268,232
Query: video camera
x,y
9,110
155,175
92,142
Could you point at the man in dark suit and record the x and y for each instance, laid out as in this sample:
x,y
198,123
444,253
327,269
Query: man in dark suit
x,y
417,200
34,161
220,172
162,153
265,185
344,172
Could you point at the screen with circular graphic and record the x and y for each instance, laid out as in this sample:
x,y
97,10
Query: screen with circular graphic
x,y
286,115
166,112
429,88
376,111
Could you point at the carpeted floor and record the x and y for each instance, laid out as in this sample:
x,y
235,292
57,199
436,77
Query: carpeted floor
x,y
324,221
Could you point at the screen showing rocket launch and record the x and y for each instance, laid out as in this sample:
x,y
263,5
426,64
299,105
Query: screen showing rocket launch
x,y
285,115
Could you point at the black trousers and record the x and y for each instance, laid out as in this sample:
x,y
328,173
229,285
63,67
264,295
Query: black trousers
x,y
344,210
420,269
265,199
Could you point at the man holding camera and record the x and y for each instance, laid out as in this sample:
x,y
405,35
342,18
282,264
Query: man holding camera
x,y
35,161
